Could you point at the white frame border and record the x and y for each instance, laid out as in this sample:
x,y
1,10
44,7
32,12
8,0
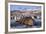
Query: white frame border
x,y
27,29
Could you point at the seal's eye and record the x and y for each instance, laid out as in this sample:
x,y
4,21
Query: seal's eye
x,y
35,17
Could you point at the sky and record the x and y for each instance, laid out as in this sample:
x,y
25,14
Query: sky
x,y
23,7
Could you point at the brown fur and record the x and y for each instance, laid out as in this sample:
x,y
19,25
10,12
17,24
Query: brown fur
x,y
26,21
